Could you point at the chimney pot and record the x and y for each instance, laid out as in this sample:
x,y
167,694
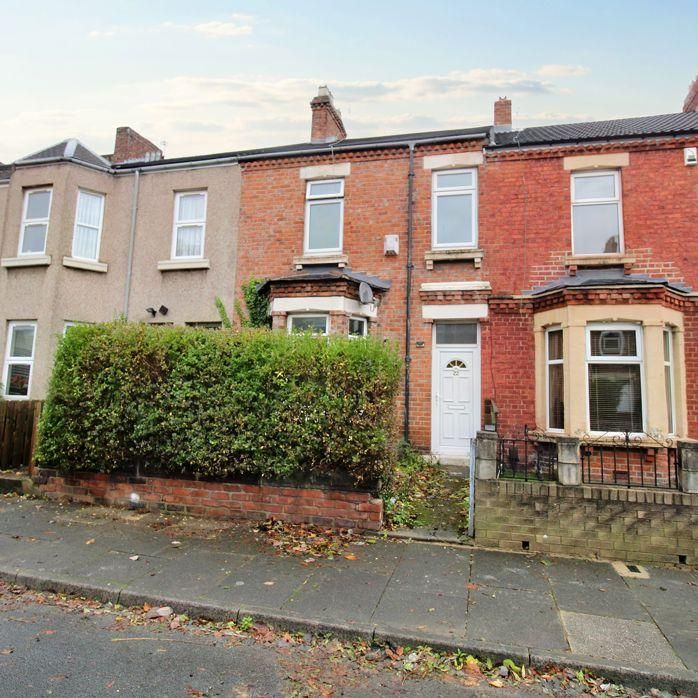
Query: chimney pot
x,y
327,125
691,101
502,114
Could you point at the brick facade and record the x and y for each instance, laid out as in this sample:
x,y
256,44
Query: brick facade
x,y
604,522
130,146
229,500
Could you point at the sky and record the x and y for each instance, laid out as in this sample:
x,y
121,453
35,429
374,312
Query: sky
x,y
222,75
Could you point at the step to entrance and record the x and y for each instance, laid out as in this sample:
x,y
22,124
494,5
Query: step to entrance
x,y
430,535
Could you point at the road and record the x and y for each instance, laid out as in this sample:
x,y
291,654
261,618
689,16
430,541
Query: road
x,y
53,645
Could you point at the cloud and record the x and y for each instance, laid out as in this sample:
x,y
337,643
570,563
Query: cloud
x,y
234,25
101,33
560,70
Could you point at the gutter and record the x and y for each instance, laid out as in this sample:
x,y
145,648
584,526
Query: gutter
x,y
132,241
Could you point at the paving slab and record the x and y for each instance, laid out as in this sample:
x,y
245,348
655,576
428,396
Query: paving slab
x,y
433,568
515,616
618,639
508,570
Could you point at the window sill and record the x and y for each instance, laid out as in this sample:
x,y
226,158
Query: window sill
x,y
85,264
599,260
341,260
33,260
183,264
458,254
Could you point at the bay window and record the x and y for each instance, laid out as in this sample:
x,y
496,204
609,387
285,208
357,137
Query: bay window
x,y
88,225
454,208
614,378
19,359
316,324
35,217
555,379
596,213
358,327
668,347
324,216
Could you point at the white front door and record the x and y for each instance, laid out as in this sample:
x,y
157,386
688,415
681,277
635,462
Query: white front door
x,y
455,399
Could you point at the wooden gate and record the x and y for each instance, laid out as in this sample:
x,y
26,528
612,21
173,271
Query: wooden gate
x,y
18,424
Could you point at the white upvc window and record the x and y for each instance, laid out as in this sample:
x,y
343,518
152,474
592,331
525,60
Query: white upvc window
x,y
35,217
669,379
555,388
19,360
317,324
89,215
324,216
615,381
597,218
454,208
358,327
189,225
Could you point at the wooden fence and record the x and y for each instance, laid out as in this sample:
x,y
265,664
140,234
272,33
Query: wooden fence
x,y
18,426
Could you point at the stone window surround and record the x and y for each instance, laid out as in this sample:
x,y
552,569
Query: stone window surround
x,y
573,319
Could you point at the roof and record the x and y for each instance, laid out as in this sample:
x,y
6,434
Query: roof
x,y
638,127
328,273
70,149
334,147
595,278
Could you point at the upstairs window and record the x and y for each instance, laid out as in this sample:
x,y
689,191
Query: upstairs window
x,y
88,225
454,208
37,208
189,225
596,213
19,359
324,216
614,364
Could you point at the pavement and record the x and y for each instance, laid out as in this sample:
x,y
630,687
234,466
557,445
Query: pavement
x,y
641,630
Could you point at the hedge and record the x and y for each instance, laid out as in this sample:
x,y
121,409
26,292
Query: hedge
x,y
219,404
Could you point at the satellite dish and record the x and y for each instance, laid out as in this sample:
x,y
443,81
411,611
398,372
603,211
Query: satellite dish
x,y
365,293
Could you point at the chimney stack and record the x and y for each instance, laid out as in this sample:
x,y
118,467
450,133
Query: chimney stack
x,y
327,120
502,114
130,146
691,101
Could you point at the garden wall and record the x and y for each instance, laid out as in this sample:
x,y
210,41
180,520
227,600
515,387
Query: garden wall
x,y
225,500
638,525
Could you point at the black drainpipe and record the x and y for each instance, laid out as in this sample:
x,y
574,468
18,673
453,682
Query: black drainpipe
x,y
408,293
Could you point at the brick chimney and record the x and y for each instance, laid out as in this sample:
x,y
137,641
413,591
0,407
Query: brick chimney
x,y
327,120
502,114
130,146
691,101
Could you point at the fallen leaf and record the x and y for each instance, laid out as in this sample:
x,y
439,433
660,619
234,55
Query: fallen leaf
x,y
89,542
497,683
7,650
133,557
350,556
268,584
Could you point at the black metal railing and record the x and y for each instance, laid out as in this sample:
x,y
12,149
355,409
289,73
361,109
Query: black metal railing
x,y
531,456
630,460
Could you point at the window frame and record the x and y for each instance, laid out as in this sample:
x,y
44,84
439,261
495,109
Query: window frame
x,y
364,322
437,192
102,197
554,362
671,418
595,202
9,360
34,221
319,200
290,317
637,360
176,224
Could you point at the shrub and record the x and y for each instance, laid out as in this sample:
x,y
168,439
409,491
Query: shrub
x,y
219,404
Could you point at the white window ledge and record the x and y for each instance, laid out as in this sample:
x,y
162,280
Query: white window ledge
x,y
341,260
455,311
30,260
85,264
454,255
599,260
183,264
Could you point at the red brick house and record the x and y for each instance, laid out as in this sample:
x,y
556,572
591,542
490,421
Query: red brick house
x,y
546,272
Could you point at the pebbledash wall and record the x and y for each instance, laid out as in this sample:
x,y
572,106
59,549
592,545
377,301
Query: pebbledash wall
x,y
602,522
316,505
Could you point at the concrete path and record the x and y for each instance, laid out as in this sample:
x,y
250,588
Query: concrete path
x,y
530,608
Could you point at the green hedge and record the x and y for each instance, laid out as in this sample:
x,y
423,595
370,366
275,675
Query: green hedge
x,y
220,404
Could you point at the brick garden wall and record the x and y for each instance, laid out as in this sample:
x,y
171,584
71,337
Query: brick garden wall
x,y
226,500
605,522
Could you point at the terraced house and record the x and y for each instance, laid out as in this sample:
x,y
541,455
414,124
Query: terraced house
x,y
540,277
